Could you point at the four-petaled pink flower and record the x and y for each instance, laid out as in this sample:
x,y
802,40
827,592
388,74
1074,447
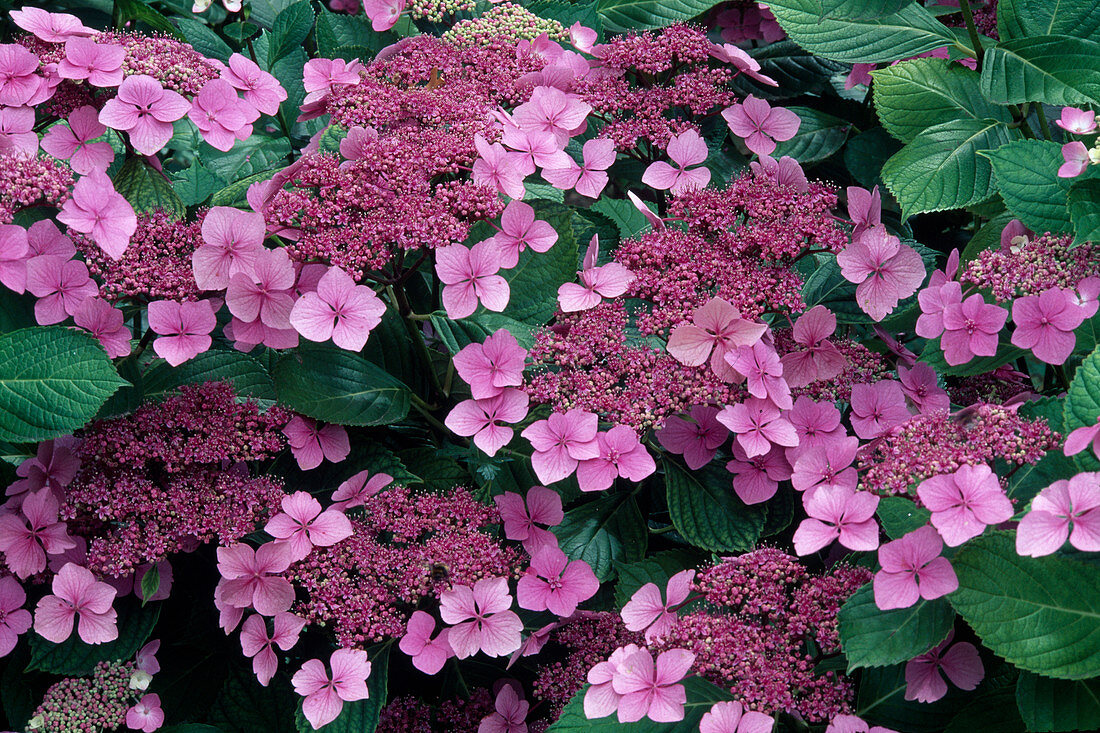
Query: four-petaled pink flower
x,y
933,301
257,643
1064,504
311,443
877,407
498,168
921,385
509,715
1076,157
519,229
815,423
695,437
72,142
521,518
260,89
96,209
1045,324
265,293
716,328
61,286
324,693
249,577
553,583
483,419
99,63
606,281
76,593
481,618
320,76
302,525
651,690
600,699
740,59
491,366
469,275
221,116
383,13
1080,438
106,323
620,453
837,513
819,359
590,177
339,309
146,714
686,149
885,271
25,546
184,328
146,110
864,208
828,465
763,372
1077,121
970,329
54,465
760,125
561,441
231,243
19,82
647,611
50,27
758,424
912,568
963,503
731,717
756,479
961,664
551,110
14,247
14,619
428,654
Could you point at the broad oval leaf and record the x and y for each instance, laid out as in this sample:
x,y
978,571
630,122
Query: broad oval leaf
x,y
147,189
1084,209
605,531
360,716
1083,404
871,637
1058,705
248,375
535,279
1058,70
707,512
626,15
74,657
1024,18
819,136
1027,177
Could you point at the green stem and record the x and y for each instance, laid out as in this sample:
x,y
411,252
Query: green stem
x,y
968,18
1043,124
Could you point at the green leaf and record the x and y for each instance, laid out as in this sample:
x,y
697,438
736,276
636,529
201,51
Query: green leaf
x,y
74,657
604,531
870,637
264,12
933,355
1026,18
655,569
534,281
343,36
1027,177
908,32
701,696
203,39
1058,705
360,716
796,70
52,381
195,184
243,706
330,139
626,216
235,194
626,15
707,513
1040,614
900,516
1058,70
882,700
289,31
337,386
147,190
1084,209
129,10
940,168
1083,405
257,154
863,8
819,136
914,95
248,375
150,583
474,329
867,152
989,711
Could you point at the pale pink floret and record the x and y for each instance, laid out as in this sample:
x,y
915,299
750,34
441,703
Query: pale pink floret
x,y
536,149
231,243
260,89
760,124
819,359
763,372
481,618
340,310
561,442
971,329
17,133
470,276
854,724
620,454
184,328
519,229
19,82
828,465
651,690
325,693
428,654
884,269
756,479
731,717
1064,504
837,513
54,465
758,424
1077,121
14,248
358,488
107,324
1045,324
257,643
934,300
321,76
383,13
50,27
312,442
266,294
1081,438
249,577
716,328
551,110
146,659
96,209
747,65
963,503
77,594
146,110
302,525
686,149
553,583
912,568
921,385
61,286
816,424
695,437
146,714
961,664
785,172
484,420
221,116
864,208
99,63
600,699
596,283
522,517
590,177
498,168
509,715
647,611
877,407
72,142
14,619
26,540
491,366
1076,157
